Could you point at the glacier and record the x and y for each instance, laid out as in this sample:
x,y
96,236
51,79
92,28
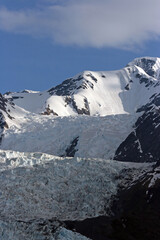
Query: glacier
x,y
72,152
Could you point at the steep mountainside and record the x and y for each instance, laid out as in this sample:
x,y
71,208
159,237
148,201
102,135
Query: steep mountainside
x,y
5,114
143,143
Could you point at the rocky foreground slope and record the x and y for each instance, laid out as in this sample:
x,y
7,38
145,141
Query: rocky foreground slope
x,y
81,160
42,195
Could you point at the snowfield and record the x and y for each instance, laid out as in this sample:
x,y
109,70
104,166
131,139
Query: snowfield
x,y
98,136
102,93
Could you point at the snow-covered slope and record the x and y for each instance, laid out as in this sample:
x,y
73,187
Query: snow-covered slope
x,y
95,93
82,136
51,119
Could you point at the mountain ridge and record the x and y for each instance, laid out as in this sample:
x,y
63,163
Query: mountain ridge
x,y
85,93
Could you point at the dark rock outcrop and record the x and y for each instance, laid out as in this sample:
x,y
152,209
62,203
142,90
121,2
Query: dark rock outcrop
x,y
71,101
136,215
71,150
3,109
143,143
71,85
146,64
49,111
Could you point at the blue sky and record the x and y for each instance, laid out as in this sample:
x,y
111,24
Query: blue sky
x,y
43,42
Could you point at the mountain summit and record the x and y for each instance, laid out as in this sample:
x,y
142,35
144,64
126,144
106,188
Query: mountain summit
x,y
96,93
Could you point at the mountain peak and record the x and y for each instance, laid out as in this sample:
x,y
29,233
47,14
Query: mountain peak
x,y
151,65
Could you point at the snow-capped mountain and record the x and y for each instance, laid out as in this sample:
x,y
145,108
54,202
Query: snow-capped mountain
x,y
71,155
95,93
89,115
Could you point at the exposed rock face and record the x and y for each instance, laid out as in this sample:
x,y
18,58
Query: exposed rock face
x,y
71,150
3,105
136,214
149,65
3,109
3,124
84,110
143,144
71,85
49,111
